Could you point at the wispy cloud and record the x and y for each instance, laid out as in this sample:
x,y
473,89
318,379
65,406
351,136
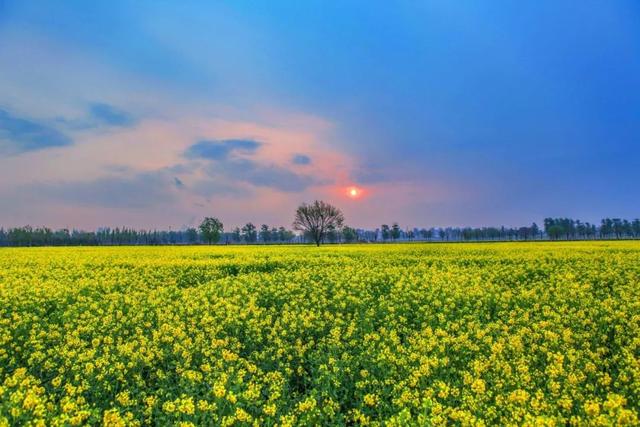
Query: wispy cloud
x,y
19,135
277,177
301,159
109,115
260,175
221,149
178,182
100,115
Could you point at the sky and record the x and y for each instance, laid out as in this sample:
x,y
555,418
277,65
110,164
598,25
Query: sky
x,y
153,114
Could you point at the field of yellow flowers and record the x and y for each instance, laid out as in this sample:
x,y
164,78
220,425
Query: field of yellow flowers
x,y
414,334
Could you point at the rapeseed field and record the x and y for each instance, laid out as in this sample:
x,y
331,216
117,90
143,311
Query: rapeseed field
x,y
414,334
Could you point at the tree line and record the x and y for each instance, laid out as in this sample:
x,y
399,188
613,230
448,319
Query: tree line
x,y
318,229
44,236
553,229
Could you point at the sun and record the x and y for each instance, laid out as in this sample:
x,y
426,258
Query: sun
x,y
354,192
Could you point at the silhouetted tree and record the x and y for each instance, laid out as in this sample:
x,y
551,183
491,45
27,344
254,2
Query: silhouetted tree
x,y
192,235
265,233
211,228
635,227
285,235
386,233
349,234
236,235
316,218
249,233
332,234
410,234
395,231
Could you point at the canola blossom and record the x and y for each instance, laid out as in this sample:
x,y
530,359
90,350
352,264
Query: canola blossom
x,y
414,334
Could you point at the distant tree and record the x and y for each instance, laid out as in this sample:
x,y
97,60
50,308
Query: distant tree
x,y
332,234
553,228
423,233
236,235
606,228
249,233
211,228
285,235
410,234
617,227
349,234
265,233
534,230
555,231
192,235
568,227
635,227
316,218
385,231
395,231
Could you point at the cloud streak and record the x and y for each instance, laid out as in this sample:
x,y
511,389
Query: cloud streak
x,y
100,115
221,149
301,159
109,115
270,176
259,175
224,164
20,135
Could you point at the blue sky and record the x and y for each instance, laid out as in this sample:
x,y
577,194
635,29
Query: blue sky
x,y
154,114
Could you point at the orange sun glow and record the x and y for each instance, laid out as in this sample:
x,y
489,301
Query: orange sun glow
x,y
354,192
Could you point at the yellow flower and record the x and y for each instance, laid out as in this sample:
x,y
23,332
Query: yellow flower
x,y
307,404
219,390
370,399
242,415
518,396
592,409
150,400
31,400
111,418
614,401
123,398
186,406
478,386
269,410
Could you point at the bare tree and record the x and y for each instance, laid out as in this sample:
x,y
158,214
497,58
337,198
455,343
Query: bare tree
x,y
316,219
